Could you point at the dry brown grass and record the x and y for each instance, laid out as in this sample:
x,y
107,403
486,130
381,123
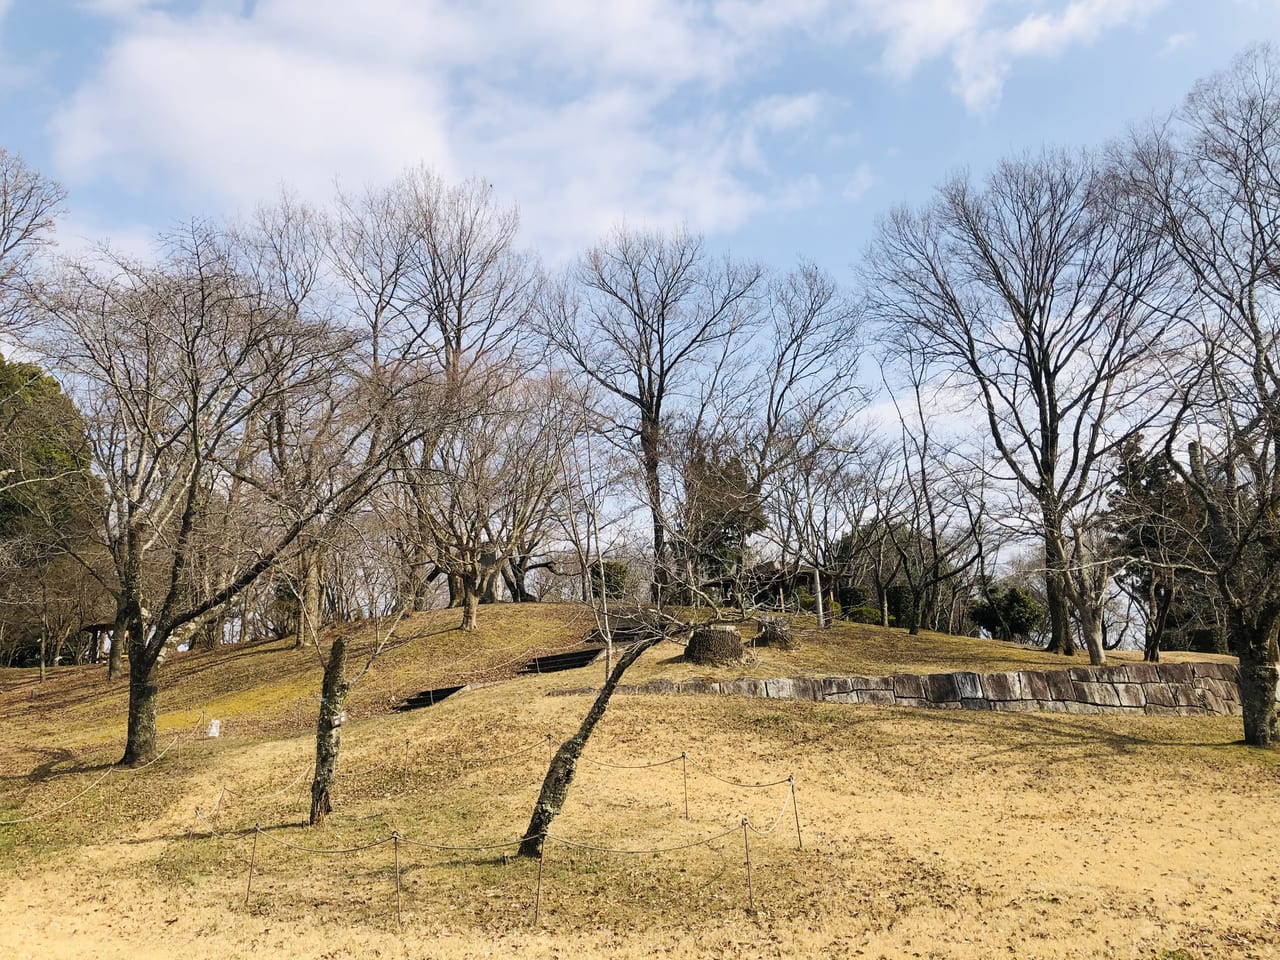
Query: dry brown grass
x,y
929,833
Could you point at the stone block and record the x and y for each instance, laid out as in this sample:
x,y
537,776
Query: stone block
x,y
1159,695
780,689
1211,702
1002,686
1175,672
969,685
915,702
1162,710
1216,671
1184,694
1100,694
834,686
1141,673
807,688
872,683
941,687
975,703
1035,686
696,687
908,686
876,698
1130,694
1224,689
1083,674
1060,685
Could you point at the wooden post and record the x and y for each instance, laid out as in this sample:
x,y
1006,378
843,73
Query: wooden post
x,y
253,859
395,844
746,846
537,897
684,770
796,810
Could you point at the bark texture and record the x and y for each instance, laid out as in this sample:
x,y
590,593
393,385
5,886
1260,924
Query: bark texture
x,y
333,697
1259,681
140,743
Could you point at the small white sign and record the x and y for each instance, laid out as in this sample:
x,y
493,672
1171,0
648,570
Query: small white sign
x,y
215,727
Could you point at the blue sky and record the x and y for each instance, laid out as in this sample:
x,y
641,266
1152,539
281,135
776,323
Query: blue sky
x,y
780,128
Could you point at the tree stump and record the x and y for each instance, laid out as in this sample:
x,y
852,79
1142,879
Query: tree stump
x,y
774,632
712,643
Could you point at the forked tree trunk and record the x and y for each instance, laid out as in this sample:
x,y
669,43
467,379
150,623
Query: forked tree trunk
x,y
1091,626
333,698
555,786
470,604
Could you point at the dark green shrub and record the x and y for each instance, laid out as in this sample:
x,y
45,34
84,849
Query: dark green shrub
x,y
863,614
1010,614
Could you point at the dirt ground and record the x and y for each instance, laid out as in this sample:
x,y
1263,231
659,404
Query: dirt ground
x,y
925,834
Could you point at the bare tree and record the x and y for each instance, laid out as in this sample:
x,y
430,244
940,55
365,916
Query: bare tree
x,y
175,367
643,315
29,206
935,504
1211,180
1044,294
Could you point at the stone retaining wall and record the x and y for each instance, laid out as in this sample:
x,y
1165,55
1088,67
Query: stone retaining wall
x,y
1148,688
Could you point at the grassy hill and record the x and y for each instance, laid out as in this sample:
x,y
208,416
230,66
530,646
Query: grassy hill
x,y
930,833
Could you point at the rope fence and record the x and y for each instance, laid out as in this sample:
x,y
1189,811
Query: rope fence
x,y
209,820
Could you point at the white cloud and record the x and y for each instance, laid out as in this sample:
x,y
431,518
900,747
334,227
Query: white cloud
x,y
861,183
233,112
1176,41
980,41
780,112
583,112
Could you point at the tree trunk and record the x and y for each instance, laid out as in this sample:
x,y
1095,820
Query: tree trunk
x,y
333,697
1259,684
1056,597
818,603
649,453
1060,638
470,603
915,614
555,786
119,633
140,744
1162,603
1091,625
310,596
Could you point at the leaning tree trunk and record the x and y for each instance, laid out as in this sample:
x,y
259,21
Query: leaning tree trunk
x,y
555,786
333,698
